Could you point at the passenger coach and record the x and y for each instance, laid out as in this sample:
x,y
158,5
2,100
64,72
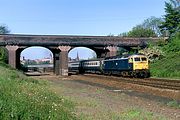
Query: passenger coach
x,y
91,66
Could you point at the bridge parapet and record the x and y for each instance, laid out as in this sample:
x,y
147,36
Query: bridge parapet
x,y
56,40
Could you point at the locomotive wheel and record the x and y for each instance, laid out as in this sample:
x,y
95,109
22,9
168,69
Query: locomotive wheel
x,y
109,73
146,74
131,74
136,75
124,74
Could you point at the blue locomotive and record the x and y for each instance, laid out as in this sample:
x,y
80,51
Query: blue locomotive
x,y
128,65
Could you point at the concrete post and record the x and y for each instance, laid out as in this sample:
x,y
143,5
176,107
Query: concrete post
x,y
112,51
12,55
63,60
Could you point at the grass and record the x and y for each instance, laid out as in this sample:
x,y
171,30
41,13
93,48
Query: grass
x,y
136,114
174,104
130,114
23,98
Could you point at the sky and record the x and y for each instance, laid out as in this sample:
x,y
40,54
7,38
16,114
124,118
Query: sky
x,y
41,52
77,17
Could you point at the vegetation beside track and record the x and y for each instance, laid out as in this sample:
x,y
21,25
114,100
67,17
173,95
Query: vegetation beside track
x,y
24,98
174,104
169,66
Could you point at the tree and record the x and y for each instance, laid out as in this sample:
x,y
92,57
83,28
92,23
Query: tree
x,y
3,52
153,53
4,29
124,34
139,31
176,4
171,22
148,28
153,23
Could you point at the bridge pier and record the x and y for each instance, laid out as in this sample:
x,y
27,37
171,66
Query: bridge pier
x,y
61,61
112,51
12,56
101,52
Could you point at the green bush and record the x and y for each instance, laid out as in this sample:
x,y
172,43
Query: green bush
x,y
3,54
169,66
22,98
166,67
173,46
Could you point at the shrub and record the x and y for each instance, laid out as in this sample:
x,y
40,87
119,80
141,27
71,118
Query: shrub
x,y
3,54
169,66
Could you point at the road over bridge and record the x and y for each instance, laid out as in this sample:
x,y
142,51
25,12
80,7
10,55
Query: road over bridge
x,y
60,45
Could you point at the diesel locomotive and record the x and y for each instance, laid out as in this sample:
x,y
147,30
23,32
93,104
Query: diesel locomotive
x,y
135,65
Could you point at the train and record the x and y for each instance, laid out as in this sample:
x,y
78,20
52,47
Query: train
x,y
135,65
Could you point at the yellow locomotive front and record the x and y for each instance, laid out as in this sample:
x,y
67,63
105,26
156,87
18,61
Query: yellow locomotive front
x,y
140,65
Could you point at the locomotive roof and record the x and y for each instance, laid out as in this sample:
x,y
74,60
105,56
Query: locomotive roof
x,y
126,56
122,56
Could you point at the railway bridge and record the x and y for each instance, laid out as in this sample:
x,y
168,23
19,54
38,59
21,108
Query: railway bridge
x,y
60,45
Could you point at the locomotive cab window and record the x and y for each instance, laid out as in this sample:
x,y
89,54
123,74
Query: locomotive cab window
x,y
144,59
130,60
137,59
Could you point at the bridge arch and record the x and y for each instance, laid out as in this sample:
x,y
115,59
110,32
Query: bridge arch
x,y
77,53
36,51
36,56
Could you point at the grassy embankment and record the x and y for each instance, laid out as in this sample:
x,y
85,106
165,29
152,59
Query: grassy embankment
x,y
24,98
169,66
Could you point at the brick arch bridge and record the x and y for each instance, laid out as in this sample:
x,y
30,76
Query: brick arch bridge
x,y
60,45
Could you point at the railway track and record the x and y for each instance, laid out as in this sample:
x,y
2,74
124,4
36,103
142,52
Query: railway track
x,y
151,82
